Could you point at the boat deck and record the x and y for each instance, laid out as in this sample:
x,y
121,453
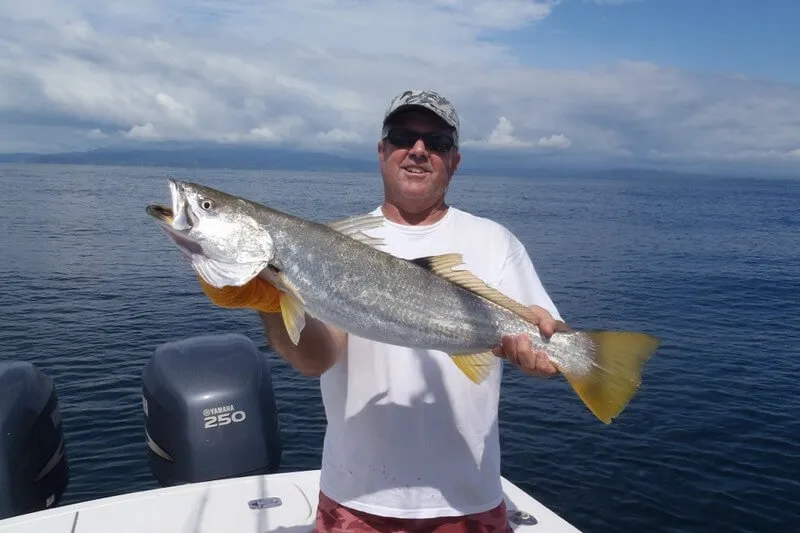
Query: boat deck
x,y
283,503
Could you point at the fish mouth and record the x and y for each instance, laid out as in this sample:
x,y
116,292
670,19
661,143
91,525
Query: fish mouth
x,y
179,217
177,221
161,213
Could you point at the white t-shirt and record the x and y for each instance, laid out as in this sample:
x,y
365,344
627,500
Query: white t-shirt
x,y
409,435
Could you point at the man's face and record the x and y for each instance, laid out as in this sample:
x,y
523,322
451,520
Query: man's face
x,y
416,178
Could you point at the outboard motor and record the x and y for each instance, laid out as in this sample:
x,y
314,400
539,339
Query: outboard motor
x,y
33,461
209,410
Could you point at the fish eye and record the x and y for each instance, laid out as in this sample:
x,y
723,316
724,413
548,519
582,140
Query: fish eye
x,y
206,204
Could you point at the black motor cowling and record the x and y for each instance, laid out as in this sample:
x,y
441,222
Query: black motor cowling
x,y
33,461
210,410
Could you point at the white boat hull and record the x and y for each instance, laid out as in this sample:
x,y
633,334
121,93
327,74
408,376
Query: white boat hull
x,y
282,503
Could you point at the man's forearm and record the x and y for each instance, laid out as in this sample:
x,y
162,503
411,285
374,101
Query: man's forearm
x,y
319,348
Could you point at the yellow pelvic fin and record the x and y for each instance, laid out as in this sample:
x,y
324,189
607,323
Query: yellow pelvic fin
x,y
294,316
442,266
293,308
616,373
477,366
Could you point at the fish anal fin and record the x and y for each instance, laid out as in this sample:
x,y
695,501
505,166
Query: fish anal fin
x,y
443,266
615,373
476,366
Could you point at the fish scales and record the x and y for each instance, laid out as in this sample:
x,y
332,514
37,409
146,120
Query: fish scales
x,y
379,295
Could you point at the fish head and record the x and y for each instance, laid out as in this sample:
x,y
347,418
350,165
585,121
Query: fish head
x,y
217,232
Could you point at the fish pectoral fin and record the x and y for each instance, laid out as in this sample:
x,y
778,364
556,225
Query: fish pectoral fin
x,y
477,366
355,226
616,371
443,266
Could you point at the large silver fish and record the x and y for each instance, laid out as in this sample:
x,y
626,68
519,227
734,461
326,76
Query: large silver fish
x,y
338,274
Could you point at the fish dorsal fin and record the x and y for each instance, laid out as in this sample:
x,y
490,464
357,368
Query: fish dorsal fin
x,y
355,226
443,266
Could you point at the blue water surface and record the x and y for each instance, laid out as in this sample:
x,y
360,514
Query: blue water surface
x,y
711,443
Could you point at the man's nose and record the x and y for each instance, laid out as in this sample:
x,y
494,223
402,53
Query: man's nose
x,y
419,148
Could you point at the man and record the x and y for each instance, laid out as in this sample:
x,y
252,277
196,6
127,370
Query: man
x,y
411,443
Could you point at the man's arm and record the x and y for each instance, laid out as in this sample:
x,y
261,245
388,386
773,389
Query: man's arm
x,y
320,345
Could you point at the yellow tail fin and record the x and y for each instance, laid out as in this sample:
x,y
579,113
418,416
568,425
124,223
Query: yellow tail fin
x,y
616,372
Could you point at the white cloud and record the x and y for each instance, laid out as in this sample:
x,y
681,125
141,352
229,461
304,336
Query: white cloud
x,y
319,73
263,133
339,136
502,136
554,141
143,132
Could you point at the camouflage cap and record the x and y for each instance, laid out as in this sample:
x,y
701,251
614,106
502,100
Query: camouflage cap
x,y
429,100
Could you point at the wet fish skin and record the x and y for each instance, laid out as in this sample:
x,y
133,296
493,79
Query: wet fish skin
x,y
336,273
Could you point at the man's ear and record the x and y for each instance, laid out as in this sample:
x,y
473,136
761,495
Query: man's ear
x,y
456,159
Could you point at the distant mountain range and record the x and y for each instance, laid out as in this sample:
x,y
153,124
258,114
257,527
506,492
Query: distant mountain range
x,y
250,157
237,157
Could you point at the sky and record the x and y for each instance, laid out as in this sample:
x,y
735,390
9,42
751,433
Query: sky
x,y
692,83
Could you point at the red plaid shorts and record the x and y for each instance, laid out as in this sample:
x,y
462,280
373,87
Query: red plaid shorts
x,y
335,518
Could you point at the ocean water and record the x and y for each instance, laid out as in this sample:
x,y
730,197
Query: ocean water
x,y
711,443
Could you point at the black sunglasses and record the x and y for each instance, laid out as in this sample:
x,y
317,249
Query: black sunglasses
x,y
435,141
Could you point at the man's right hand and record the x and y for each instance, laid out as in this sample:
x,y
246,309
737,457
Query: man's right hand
x,y
257,294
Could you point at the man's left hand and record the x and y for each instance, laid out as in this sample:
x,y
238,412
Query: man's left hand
x,y
518,349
